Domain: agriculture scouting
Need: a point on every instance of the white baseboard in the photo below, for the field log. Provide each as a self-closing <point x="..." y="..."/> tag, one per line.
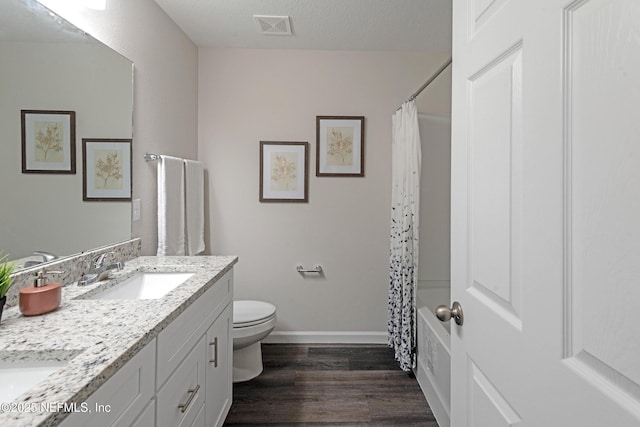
<point x="322" y="337"/>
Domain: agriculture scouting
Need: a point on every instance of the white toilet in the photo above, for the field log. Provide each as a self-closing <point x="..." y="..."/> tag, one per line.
<point x="252" y="322"/>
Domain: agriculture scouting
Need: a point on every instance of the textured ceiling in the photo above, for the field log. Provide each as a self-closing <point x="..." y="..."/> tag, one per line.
<point x="397" y="25"/>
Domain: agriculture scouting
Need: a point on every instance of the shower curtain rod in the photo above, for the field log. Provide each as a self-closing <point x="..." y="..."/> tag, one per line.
<point x="430" y="80"/>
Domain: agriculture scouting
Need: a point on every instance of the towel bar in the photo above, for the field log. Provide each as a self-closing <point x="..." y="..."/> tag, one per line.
<point x="316" y="269"/>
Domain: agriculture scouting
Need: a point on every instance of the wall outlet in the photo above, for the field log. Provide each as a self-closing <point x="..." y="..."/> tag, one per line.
<point x="135" y="210"/>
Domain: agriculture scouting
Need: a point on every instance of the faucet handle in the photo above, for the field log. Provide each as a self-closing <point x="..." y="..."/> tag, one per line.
<point x="99" y="260"/>
<point x="83" y="281"/>
<point x="41" y="277"/>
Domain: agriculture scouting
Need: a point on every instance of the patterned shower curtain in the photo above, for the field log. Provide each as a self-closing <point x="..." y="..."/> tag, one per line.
<point x="405" y="204"/>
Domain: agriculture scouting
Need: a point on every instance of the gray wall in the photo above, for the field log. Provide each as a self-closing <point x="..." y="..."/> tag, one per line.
<point x="246" y="96"/>
<point x="165" y="88"/>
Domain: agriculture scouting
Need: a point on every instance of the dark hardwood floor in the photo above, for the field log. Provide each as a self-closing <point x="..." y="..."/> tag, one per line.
<point x="327" y="385"/>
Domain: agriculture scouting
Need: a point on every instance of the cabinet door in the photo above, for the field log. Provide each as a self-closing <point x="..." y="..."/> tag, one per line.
<point x="182" y="396"/>
<point x="148" y="416"/>
<point x="120" y="400"/>
<point x="219" y="368"/>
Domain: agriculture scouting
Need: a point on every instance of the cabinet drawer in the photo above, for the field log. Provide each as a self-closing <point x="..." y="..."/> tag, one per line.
<point x="123" y="397"/>
<point x="177" y="339"/>
<point x="199" y="421"/>
<point x="181" y="398"/>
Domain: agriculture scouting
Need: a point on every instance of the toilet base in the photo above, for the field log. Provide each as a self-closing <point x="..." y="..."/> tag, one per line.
<point x="247" y="363"/>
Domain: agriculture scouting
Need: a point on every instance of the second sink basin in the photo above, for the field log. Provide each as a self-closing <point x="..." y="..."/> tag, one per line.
<point x="20" y="373"/>
<point x="20" y="377"/>
<point x="144" y="285"/>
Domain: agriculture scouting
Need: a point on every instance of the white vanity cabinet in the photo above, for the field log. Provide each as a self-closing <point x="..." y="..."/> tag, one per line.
<point x="199" y="391"/>
<point x="187" y="371"/>
<point x="123" y="397"/>
<point x="206" y="327"/>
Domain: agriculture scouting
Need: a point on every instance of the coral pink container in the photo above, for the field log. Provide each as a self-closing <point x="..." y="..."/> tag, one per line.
<point x="40" y="300"/>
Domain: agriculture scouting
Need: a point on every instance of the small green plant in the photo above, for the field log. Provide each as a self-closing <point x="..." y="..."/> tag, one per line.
<point x="6" y="269"/>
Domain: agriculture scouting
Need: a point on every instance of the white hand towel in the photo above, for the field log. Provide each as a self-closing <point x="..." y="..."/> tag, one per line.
<point x="194" y="206"/>
<point x="171" y="238"/>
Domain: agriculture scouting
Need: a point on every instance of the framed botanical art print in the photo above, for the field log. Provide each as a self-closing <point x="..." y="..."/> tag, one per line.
<point x="284" y="171"/>
<point x="48" y="141"/>
<point x="339" y="146"/>
<point x="106" y="169"/>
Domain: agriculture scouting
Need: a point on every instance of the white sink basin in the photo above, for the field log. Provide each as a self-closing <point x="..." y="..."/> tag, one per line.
<point x="18" y="377"/>
<point x="144" y="286"/>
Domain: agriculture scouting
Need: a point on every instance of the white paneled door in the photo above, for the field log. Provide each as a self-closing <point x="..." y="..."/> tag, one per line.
<point x="546" y="213"/>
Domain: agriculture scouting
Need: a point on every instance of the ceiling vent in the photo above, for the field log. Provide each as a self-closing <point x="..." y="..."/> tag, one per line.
<point x="273" y="25"/>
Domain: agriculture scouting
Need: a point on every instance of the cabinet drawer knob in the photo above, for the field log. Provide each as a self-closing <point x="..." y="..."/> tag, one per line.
<point x="192" y="393"/>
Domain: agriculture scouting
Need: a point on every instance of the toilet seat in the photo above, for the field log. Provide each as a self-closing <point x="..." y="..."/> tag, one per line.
<point x="248" y="313"/>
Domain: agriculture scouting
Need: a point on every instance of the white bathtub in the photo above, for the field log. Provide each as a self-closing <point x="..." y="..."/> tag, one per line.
<point x="434" y="353"/>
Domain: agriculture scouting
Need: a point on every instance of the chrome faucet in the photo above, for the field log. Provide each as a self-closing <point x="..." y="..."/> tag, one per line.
<point x="99" y="270"/>
<point x="46" y="257"/>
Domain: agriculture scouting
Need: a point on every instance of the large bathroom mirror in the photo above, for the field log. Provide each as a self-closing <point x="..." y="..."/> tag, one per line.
<point x="50" y="65"/>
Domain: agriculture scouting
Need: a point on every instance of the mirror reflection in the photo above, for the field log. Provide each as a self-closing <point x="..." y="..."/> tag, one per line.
<point x="47" y="64"/>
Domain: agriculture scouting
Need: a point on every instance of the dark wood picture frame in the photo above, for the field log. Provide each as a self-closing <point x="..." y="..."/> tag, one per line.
<point x="280" y="164"/>
<point x="104" y="159"/>
<point x="48" y="141"/>
<point x="340" y="146"/>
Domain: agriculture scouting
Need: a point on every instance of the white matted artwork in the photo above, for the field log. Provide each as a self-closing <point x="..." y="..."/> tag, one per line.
<point x="340" y="146"/>
<point x="48" y="141"/>
<point x="284" y="175"/>
<point x="106" y="169"/>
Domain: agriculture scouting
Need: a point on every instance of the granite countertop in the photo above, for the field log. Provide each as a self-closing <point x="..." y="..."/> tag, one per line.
<point x="94" y="337"/>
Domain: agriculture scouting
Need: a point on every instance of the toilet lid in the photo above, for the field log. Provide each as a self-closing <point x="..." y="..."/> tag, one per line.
<point x="248" y="313"/>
